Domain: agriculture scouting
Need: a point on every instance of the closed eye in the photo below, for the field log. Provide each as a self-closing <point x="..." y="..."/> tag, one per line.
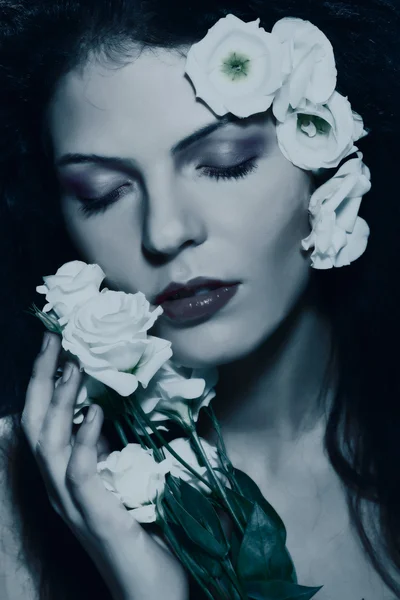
<point x="233" y="172"/>
<point x="101" y="203"/>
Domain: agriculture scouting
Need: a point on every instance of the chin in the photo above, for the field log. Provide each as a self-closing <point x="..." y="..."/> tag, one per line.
<point x="212" y="351"/>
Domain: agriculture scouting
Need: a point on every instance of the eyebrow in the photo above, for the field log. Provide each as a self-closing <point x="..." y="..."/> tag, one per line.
<point x="76" y="158"/>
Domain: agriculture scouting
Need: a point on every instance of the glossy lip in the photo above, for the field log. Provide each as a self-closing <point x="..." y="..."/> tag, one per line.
<point x="190" y="286"/>
<point x="203" y="306"/>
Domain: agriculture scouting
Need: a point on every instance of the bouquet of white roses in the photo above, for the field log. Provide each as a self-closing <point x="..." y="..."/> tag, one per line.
<point x="183" y="486"/>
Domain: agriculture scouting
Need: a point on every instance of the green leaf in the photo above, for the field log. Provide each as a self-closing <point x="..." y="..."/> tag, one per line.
<point x="263" y="554"/>
<point x="206" y="566"/>
<point x="173" y="484"/>
<point x="202" y="510"/>
<point x="196" y="532"/>
<point x="213" y="566"/>
<point x="244" y="506"/>
<point x="258" y="545"/>
<point x="279" y="590"/>
<point x="252" y="492"/>
<point x="280" y="562"/>
<point x="234" y="548"/>
<point x="49" y="319"/>
<point x="281" y="565"/>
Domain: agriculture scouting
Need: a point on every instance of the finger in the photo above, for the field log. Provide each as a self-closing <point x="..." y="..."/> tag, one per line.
<point x="83" y="461"/>
<point x="56" y="432"/>
<point x="40" y="388"/>
<point x="103" y="448"/>
<point x="104" y="514"/>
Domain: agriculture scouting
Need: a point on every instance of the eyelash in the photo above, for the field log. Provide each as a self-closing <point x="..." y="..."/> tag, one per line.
<point x="101" y="203"/>
<point x="235" y="172"/>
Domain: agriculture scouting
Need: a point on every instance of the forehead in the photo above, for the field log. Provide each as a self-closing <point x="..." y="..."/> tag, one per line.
<point x="148" y="102"/>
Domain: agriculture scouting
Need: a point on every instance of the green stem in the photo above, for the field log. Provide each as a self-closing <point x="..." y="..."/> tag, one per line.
<point x="225" y="456"/>
<point x="135" y="433"/>
<point x="227" y="566"/>
<point x="121" y="433"/>
<point x="110" y="400"/>
<point x="224" y="593"/>
<point x="158" y="453"/>
<point x="189" y="564"/>
<point x="217" y="429"/>
<point x="137" y="408"/>
<point x="184" y="557"/>
<point x="217" y="482"/>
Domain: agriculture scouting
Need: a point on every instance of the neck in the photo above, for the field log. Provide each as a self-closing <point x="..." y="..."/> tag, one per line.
<point x="273" y="397"/>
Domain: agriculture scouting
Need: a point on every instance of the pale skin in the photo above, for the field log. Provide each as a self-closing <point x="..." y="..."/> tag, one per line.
<point x="128" y="558"/>
<point x="271" y="343"/>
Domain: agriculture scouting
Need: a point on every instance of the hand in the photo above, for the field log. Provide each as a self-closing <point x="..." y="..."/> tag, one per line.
<point x="131" y="561"/>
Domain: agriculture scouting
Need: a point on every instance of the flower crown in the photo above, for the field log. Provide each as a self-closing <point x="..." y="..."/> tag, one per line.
<point x="240" y="68"/>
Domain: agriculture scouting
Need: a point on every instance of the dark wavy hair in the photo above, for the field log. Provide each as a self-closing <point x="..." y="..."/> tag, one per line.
<point x="40" y="40"/>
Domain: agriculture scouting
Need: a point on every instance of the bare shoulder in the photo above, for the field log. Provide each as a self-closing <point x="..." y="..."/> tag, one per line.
<point x="16" y="580"/>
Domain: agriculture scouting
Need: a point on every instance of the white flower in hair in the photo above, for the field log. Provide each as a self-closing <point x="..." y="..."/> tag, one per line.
<point x="317" y="137"/>
<point x="338" y="235"/>
<point x="240" y="68"/>
<point x="236" y="67"/>
<point x="310" y="63"/>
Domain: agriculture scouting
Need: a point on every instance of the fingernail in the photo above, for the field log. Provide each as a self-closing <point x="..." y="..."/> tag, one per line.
<point x="91" y="413"/>
<point x="68" y="369"/>
<point x="45" y="342"/>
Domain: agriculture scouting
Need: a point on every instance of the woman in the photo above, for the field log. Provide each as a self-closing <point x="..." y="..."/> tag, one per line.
<point x="307" y="392"/>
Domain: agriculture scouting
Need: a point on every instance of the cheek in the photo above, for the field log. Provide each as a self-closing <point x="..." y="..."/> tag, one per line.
<point x="104" y="239"/>
<point x="290" y="224"/>
<point x="275" y="261"/>
<point x="275" y="219"/>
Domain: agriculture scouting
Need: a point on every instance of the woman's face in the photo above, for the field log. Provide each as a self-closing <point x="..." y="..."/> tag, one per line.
<point x="180" y="207"/>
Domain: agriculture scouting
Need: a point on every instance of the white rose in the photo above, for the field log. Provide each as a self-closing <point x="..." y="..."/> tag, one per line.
<point x="332" y="246"/>
<point x="343" y="192"/>
<point x="73" y="284"/>
<point x="134" y="476"/>
<point x="236" y="67"/>
<point x="174" y="388"/>
<point x="183" y="448"/>
<point x="338" y="235"/>
<point x="311" y="65"/>
<point x="108" y="335"/>
<point x="318" y="137"/>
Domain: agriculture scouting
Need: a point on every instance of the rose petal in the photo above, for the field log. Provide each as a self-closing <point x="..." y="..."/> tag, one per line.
<point x="251" y="91"/>
<point x="144" y="514"/>
<point x="123" y="383"/>
<point x="157" y="352"/>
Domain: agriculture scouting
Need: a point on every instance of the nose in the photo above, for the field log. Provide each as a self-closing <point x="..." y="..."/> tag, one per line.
<point x="171" y="221"/>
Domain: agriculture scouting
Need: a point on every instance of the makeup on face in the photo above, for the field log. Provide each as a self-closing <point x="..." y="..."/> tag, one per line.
<point x="92" y="176"/>
<point x="203" y="304"/>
